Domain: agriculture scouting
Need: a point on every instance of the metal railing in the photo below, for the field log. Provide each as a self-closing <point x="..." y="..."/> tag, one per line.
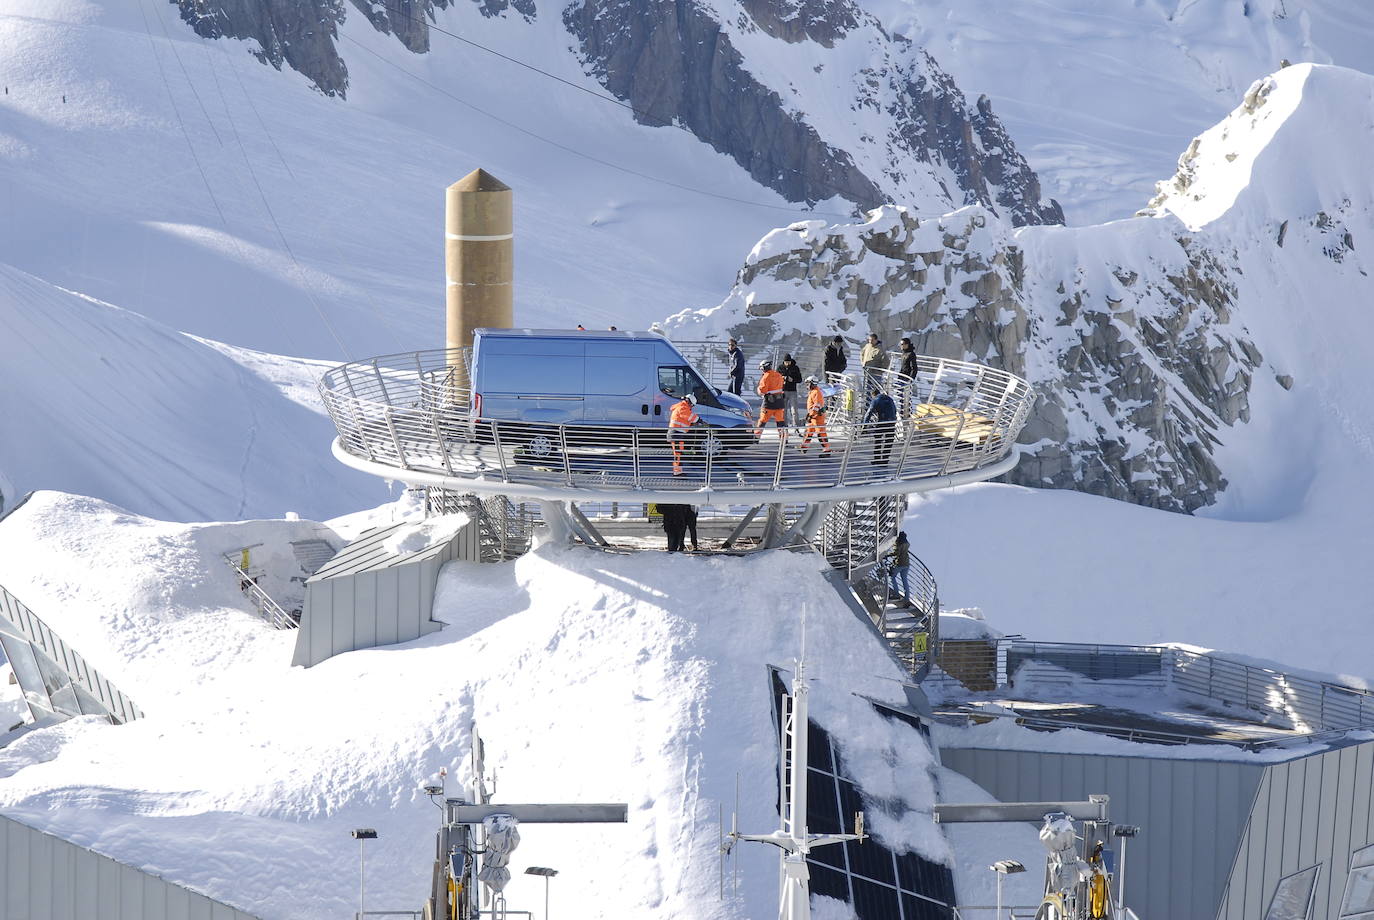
<point x="267" y="608"/>
<point x="504" y="527"/>
<point x="411" y="412"/>
<point x="1313" y="709"/>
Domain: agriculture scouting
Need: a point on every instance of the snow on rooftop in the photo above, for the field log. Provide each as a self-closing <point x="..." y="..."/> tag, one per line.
<point x="592" y="677"/>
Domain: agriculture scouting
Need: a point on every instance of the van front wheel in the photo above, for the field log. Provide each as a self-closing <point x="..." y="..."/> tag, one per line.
<point x="541" y="447"/>
<point x="712" y="444"/>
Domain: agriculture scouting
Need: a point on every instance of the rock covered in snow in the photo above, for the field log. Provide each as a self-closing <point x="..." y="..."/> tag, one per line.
<point x="1144" y="337"/>
<point x="1125" y="330"/>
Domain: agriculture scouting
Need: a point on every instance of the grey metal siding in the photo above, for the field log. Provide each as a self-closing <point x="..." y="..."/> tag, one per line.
<point x="366" y="597"/>
<point x="50" y="878"/>
<point x="25" y="624"/>
<point x="1310" y="811"/>
<point x="1191" y="812"/>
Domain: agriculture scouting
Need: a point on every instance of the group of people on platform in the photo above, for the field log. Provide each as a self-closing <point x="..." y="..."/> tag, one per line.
<point x="778" y="388"/>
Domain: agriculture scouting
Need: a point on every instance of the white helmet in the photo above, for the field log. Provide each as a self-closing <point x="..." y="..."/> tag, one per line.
<point x="812" y="380"/>
<point x="765" y="365"/>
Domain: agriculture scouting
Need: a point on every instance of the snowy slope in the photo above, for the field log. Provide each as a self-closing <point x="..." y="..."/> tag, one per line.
<point x="592" y="677"/>
<point x="1101" y="95"/>
<point x="163" y="181"/>
<point x="102" y="401"/>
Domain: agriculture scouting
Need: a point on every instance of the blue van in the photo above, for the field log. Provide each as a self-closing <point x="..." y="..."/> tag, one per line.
<point x="605" y="379"/>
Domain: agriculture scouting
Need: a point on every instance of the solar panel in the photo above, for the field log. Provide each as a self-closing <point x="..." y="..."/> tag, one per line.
<point x="877" y="883"/>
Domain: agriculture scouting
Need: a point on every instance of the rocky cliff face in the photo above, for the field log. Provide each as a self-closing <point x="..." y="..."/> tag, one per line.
<point x="1127" y="332"/>
<point x="814" y="99"/>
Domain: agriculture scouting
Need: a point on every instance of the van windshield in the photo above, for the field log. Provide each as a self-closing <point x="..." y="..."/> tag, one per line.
<point x="679" y="381"/>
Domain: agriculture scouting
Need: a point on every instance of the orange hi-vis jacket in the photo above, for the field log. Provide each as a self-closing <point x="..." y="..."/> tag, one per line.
<point x="770" y="382"/>
<point x="815" y="402"/>
<point x="683" y="415"/>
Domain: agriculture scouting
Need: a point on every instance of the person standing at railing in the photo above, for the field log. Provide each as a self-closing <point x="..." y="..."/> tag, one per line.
<point x="736" y="367"/>
<point x="874" y="361"/>
<point x="901" y="569"/>
<point x="908" y="370"/>
<point x="835" y="360"/>
<point x="682" y="417"/>
<point x="882" y="415"/>
<point x="791" y="377"/>
<point x="815" y="416"/>
<point x="770" y="388"/>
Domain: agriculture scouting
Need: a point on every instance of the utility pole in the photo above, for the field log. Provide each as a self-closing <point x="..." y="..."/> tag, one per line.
<point x="363" y="835"/>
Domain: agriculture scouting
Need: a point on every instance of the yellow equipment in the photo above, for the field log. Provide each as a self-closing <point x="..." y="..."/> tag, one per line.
<point x="944" y="421"/>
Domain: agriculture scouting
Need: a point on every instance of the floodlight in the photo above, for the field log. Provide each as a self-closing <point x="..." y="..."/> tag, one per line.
<point x="434" y="790"/>
<point x="541" y="870"/>
<point x="1125" y="830"/>
<point x="364" y="833"/>
<point x="1007" y="867"/>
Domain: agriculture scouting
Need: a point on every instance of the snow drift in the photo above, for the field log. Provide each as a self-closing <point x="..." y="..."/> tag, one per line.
<point x="101" y="401"/>
<point x="591" y="676"/>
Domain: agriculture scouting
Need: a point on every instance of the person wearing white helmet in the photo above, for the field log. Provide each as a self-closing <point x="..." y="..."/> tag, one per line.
<point x="770" y="388"/>
<point x="683" y="416"/>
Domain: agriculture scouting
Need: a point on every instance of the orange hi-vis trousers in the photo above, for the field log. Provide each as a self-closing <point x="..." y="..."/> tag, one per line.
<point x="815" y="427"/>
<point x="772" y="415"/>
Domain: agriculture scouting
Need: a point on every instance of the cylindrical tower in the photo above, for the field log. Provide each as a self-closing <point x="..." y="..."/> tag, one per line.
<point x="478" y="245"/>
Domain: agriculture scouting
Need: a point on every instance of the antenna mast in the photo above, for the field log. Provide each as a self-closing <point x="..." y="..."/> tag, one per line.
<point x="793" y="838"/>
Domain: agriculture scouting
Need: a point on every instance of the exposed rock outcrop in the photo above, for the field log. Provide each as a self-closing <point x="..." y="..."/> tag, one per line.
<point x="902" y="131"/>
<point x="1133" y="349"/>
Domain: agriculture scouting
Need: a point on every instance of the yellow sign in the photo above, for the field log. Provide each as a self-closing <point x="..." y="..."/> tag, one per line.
<point x="243" y="559"/>
<point x="920" y="643"/>
<point x="653" y="510"/>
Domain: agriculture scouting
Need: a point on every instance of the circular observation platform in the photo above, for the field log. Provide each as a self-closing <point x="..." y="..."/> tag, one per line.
<point x="408" y="417"/>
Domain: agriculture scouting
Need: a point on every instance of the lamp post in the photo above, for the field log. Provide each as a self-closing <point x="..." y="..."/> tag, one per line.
<point x="546" y="874"/>
<point x="1003" y="868"/>
<point x="362" y="835"/>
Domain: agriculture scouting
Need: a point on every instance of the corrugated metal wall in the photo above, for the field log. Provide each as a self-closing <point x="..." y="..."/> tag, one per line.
<point x="47" y="878"/>
<point x="28" y="641"/>
<point x="1312" y="811"/>
<point x="1191" y="812"/>
<point x="380" y="605"/>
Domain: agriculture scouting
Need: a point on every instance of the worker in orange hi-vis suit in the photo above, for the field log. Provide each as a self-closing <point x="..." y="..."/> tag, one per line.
<point x="770" y="388"/>
<point x="815" y="416"/>
<point x="682" y="417"/>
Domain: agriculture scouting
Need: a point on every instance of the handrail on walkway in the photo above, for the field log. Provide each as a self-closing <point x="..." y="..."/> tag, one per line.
<point x="409" y="416"/>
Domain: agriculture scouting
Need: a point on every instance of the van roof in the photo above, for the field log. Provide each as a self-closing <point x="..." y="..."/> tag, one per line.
<point x="618" y="335"/>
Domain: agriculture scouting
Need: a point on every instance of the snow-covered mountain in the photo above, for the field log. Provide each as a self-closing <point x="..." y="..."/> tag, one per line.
<point x="1155" y="341"/>
<point x="814" y="100"/>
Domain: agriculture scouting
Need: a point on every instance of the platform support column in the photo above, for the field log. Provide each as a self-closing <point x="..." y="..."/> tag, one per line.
<point x="742" y="526"/>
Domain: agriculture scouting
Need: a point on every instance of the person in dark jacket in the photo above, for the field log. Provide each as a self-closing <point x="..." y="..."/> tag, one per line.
<point x="901" y="568"/>
<point x="689" y="514"/>
<point x="736" y="367"/>
<point x="908" y="370"/>
<point x="835" y="359"/>
<point x="791" y="377"/>
<point x="674" y="525"/>
<point x="882" y="415"/>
